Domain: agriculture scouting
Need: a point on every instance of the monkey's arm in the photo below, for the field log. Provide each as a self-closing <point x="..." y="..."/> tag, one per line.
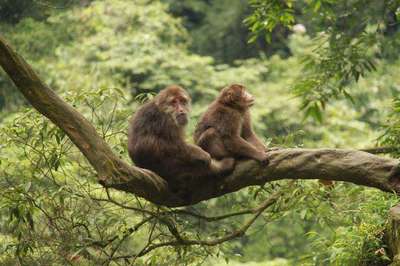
<point x="249" y="135"/>
<point x="199" y="158"/>
<point x="195" y="154"/>
<point x="230" y="130"/>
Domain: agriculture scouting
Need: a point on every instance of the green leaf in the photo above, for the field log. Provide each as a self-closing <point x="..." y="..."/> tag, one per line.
<point x="27" y="186"/>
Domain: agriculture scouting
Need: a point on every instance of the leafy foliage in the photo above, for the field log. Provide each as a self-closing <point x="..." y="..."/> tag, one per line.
<point x="348" y="41"/>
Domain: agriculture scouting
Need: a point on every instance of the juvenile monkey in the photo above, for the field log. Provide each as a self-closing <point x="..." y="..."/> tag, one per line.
<point x="225" y="128"/>
<point x="156" y="141"/>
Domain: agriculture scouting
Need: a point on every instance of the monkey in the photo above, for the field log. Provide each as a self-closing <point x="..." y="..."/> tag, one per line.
<point x="156" y="142"/>
<point x="225" y="128"/>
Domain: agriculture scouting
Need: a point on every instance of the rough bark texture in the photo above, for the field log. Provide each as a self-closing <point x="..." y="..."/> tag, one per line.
<point x="330" y="164"/>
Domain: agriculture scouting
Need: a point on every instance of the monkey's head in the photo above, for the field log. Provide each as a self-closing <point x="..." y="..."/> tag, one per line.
<point x="236" y="96"/>
<point x="174" y="101"/>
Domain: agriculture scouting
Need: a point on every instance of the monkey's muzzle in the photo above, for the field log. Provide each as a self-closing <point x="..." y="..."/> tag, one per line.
<point x="182" y="119"/>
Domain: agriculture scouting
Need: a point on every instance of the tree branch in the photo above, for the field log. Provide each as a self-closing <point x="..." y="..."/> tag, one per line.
<point x="331" y="164"/>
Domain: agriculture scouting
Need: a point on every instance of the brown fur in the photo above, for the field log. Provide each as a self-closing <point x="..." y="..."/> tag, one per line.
<point x="225" y="129"/>
<point x="156" y="141"/>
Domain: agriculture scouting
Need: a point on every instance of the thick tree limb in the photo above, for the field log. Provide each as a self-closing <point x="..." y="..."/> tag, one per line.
<point x="331" y="164"/>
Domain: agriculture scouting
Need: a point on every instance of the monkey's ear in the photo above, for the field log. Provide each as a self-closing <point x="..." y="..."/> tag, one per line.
<point x="158" y="100"/>
<point x="228" y="97"/>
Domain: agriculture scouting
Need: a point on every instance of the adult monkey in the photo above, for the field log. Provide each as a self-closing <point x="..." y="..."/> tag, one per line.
<point x="156" y="142"/>
<point x="225" y="129"/>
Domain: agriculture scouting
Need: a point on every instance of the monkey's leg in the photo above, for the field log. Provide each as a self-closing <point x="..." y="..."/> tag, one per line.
<point x="211" y="142"/>
<point x="239" y="147"/>
<point x="196" y="155"/>
<point x="256" y="142"/>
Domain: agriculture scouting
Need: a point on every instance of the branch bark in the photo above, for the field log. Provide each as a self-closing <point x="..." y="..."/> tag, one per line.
<point x="330" y="164"/>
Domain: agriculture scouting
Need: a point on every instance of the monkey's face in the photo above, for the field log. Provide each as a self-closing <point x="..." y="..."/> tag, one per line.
<point x="176" y="102"/>
<point x="179" y="109"/>
<point x="236" y="96"/>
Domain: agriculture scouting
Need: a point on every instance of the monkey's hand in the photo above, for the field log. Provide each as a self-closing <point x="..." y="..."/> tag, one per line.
<point x="197" y="154"/>
<point x="224" y="166"/>
<point x="263" y="158"/>
<point x="205" y="158"/>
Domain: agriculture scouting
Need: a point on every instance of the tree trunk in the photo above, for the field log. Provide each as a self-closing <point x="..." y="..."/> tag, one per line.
<point x="393" y="235"/>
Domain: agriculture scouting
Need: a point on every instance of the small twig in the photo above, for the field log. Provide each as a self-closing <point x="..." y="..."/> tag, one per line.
<point x="127" y="232"/>
<point x="112" y="116"/>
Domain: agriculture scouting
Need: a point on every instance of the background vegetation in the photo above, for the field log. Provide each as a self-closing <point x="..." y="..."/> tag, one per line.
<point x="329" y="81"/>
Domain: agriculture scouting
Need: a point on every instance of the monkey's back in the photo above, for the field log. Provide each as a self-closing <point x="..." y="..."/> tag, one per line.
<point x="219" y="117"/>
<point x="154" y="143"/>
<point x="146" y="136"/>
